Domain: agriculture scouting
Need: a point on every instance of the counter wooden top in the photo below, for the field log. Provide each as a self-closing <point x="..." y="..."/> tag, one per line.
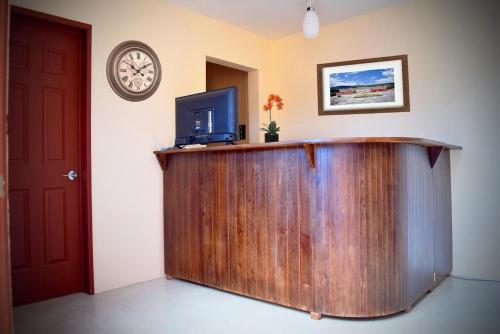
<point x="352" y="140"/>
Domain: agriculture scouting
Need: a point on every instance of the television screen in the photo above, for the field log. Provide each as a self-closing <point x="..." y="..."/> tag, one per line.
<point x="207" y="117"/>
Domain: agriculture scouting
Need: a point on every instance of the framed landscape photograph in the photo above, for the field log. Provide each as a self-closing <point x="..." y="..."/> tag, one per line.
<point x="363" y="86"/>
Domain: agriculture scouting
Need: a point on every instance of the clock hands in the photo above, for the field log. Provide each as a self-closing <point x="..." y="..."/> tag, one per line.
<point x="132" y="66"/>
<point x="135" y="69"/>
<point x="139" y="71"/>
<point x="128" y="63"/>
<point x="144" y="66"/>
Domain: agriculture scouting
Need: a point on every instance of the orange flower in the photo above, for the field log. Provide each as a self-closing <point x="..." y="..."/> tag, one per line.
<point x="273" y="100"/>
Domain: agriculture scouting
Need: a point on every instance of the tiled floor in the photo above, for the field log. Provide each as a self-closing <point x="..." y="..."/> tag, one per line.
<point x="161" y="306"/>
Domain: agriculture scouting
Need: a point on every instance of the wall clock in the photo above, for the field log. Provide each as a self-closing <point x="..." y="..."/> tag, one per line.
<point x="133" y="71"/>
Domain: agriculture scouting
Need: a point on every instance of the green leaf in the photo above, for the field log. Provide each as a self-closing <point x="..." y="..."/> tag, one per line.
<point x="264" y="129"/>
<point x="272" y="127"/>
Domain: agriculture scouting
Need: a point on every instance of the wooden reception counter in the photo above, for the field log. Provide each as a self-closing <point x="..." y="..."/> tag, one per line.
<point x="351" y="227"/>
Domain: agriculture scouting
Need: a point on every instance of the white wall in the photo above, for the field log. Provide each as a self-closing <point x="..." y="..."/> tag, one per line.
<point x="454" y="75"/>
<point x="126" y="178"/>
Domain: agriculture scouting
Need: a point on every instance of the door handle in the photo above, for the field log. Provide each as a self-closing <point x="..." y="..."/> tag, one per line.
<point x="71" y="175"/>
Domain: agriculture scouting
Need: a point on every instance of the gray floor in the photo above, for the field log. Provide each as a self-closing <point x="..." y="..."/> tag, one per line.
<point x="161" y="306"/>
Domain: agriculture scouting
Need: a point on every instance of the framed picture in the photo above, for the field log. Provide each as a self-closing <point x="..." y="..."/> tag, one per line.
<point x="363" y="86"/>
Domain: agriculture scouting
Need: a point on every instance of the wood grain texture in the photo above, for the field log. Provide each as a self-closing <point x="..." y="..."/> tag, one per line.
<point x="416" y="210"/>
<point x="67" y="214"/>
<point x="358" y="235"/>
<point x="348" y="140"/>
<point x="85" y="30"/>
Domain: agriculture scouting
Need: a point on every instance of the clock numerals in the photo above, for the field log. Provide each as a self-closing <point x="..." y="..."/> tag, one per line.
<point x="134" y="71"/>
<point x="138" y="73"/>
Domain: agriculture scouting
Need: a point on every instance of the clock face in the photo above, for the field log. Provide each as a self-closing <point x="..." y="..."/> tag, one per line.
<point x="134" y="71"/>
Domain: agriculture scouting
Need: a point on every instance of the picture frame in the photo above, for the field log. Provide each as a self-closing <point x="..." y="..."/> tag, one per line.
<point x="373" y="85"/>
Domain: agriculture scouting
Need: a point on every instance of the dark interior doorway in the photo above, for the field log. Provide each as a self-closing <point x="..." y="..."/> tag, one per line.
<point x="220" y="76"/>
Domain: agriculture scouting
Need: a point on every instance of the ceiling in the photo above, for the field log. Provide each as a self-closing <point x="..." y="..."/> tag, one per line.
<point x="278" y="18"/>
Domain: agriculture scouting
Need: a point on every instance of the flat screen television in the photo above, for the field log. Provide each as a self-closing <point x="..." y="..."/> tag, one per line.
<point x="207" y="117"/>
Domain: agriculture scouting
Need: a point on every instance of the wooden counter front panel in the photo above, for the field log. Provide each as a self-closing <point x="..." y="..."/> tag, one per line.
<point x="415" y="214"/>
<point x="359" y="246"/>
<point x="345" y="238"/>
<point x="228" y="224"/>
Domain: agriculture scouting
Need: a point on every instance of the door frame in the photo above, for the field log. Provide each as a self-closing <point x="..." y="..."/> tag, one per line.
<point x="5" y="285"/>
<point x="84" y="133"/>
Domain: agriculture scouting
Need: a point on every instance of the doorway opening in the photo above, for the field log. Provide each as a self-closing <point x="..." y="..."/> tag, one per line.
<point x="222" y="74"/>
<point x="49" y="156"/>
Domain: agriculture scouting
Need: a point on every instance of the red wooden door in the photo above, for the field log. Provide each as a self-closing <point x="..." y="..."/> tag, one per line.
<point x="44" y="86"/>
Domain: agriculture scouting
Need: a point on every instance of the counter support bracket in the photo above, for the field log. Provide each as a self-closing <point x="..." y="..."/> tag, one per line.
<point x="434" y="153"/>
<point x="310" y="154"/>
<point x="163" y="160"/>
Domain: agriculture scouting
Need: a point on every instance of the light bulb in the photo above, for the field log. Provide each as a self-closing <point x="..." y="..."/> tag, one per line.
<point x="310" y="25"/>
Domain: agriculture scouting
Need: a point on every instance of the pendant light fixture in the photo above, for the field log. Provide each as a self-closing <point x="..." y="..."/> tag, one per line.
<point x="310" y="25"/>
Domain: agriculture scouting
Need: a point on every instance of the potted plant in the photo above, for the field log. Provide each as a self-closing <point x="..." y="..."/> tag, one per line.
<point x="271" y="129"/>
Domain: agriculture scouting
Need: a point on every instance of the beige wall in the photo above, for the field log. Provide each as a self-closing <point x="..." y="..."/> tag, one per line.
<point x="453" y="71"/>
<point x="127" y="180"/>
<point x="454" y="75"/>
